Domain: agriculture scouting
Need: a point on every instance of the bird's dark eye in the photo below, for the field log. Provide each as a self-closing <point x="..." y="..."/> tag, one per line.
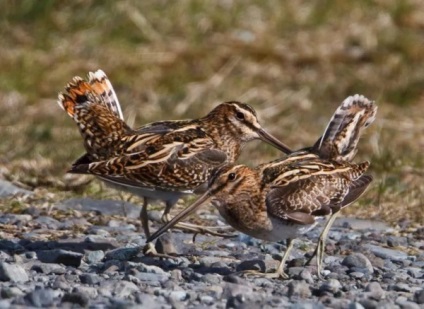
<point x="231" y="176"/>
<point x="240" y="115"/>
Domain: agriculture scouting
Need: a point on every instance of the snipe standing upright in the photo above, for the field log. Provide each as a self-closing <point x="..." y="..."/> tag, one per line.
<point x="281" y="200"/>
<point x="163" y="160"/>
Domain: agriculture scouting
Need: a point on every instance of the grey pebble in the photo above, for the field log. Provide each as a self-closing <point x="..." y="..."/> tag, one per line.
<point x="93" y="257"/>
<point x="5" y="304"/>
<point x="419" y="296"/>
<point x="375" y="291"/>
<point x="385" y="253"/>
<point x="59" y="256"/>
<point x="76" y="298"/>
<point x="402" y="287"/>
<point x="7" y="189"/>
<point x="89" y="291"/>
<point x="124" y="289"/>
<point x="42" y="297"/>
<point x="12" y="272"/>
<point x="332" y="286"/>
<point x="47" y="269"/>
<point x="307" y="305"/>
<point x="358" y="260"/>
<point x="299" y="289"/>
<point x="123" y="254"/>
<point x="90" y="279"/>
<point x="355" y="305"/>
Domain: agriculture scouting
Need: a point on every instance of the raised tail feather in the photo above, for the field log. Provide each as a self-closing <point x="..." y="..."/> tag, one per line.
<point x="95" y="108"/>
<point x="342" y="134"/>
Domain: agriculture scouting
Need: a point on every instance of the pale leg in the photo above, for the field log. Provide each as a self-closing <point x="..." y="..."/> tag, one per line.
<point x="320" y="248"/>
<point x="279" y="273"/>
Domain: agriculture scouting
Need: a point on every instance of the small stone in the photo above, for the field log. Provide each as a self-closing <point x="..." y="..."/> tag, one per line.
<point x="178" y="295"/>
<point x="42" y="297"/>
<point x="385" y="253"/>
<point x="12" y="272"/>
<point x="332" y="286"/>
<point x="146" y="300"/>
<point x="59" y="256"/>
<point x="76" y="298"/>
<point x="232" y="289"/>
<point x="375" y="291"/>
<point x="307" y="305"/>
<point x="356" y="275"/>
<point x="60" y="283"/>
<point x="207" y="300"/>
<point x="358" y="260"/>
<point x="86" y="290"/>
<point x="355" y="306"/>
<point x="402" y="287"/>
<point x="124" y="289"/>
<point x="405" y="304"/>
<point x="93" y="257"/>
<point x="122" y="254"/>
<point x="49" y="268"/>
<point x="89" y="279"/>
<point x="299" y="289"/>
<point x="419" y="297"/>
<point x="10" y="292"/>
<point x="8" y="189"/>
<point x="211" y="278"/>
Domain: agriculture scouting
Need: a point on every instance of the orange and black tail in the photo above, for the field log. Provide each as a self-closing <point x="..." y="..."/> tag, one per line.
<point x="95" y="108"/>
<point x="340" y="139"/>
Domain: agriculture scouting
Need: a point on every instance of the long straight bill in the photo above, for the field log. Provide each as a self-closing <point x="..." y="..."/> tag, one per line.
<point x="266" y="137"/>
<point x="201" y="200"/>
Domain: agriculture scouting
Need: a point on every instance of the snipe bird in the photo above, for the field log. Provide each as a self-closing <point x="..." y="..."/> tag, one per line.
<point x="159" y="161"/>
<point x="283" y="199"/>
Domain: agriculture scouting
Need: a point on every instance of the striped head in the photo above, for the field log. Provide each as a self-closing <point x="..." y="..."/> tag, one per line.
<point x="239" y="121"/>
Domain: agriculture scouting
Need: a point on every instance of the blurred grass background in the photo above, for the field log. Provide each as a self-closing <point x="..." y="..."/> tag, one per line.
<point x="294" y="61"/>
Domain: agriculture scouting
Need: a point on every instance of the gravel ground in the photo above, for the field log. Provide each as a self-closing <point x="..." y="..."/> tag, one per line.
<point x="71" y="261"/>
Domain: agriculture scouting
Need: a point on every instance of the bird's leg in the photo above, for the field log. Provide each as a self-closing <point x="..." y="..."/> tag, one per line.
<point x="279" y="273"/>
<point x="149" y="248"/>
<point x="320" y="248"/>
<point x="193" y="228"/>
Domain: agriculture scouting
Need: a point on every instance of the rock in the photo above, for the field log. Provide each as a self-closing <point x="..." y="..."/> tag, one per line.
<point x="207" y="300"/>
<point x="86" y="290"/>
<point x="419" y="297"/>
<point x="12" y="272"/>
<point x="232" y="289"/>
<point x="355" y="306"/>
<point x="5" y="304"/>
<point x="299" y="289"/>
<point x="358" y="260"/>
<point x="42" y="297"/>
<point x="8" y="245"/>
<point x="122" y="254"/>
<point x="375" y="291"/>
<point x="405" y="304"/>
<point x="332" y="286"/>
<point x="211" y="279"/>
<point x="76" y="298"/>
<point x="307" y="305"/>
<point x="89" y="278"/>
<point x="60" y="283"/>
<point x="49" y="268"/>
<point x="402" y="287"/>
<point x="146" y="300"/>
<point x="9" y="189"/>
<point x="59" y="256"/>
<point x="178" y="295"/>
<point x="384" y="253"/>
<point x="10" y="292"/>
<point x="124" y="289"/>
<point x="93" y="257"/>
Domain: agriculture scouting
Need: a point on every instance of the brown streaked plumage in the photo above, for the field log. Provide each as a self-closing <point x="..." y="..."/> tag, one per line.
<point x="293" y="177"/>
<point x="163" y="160"/>
<point x="281" y="200"/>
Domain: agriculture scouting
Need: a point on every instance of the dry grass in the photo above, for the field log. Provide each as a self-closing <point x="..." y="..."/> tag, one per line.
<point x="294" y="61"/>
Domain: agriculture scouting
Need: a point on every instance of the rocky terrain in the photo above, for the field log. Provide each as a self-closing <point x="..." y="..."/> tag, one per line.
<point x="86" y="253"/>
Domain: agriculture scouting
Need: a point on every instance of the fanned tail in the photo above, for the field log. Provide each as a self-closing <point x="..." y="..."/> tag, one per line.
<point x="95" y="108"/>
<point x="342" y="134"/>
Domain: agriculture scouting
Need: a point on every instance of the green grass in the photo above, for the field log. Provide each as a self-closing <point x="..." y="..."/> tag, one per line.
<point x="293" y="61"/>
